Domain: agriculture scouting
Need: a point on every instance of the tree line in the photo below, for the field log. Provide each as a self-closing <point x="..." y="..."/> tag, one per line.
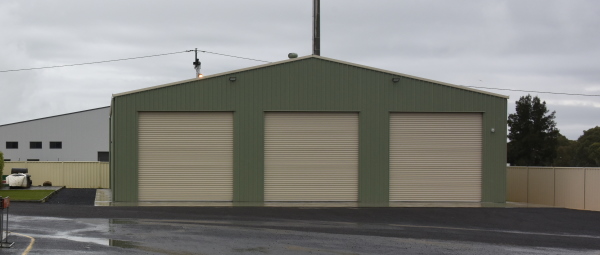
<point x="534" y="139"/>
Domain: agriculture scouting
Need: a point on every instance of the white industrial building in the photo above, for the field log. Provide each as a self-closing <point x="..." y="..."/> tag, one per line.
<point x="77" y="136"/>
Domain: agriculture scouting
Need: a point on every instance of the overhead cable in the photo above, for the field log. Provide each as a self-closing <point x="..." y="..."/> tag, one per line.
<point x="231" y="56"/>
<point x="90" y="63"/>
<point x="543" y="92"/>
<point x="123" y="59"/>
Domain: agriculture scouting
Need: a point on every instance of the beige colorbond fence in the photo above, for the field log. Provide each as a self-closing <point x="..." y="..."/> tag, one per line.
<point x="570" y="187"/>
<point x="69" y="174"/>
<point x="577" y="188"/>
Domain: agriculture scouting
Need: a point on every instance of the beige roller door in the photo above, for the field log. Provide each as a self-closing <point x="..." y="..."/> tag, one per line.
<point x="435" y="156"/>
<point x="185" y="156"/>
<point x="311" y="156"/>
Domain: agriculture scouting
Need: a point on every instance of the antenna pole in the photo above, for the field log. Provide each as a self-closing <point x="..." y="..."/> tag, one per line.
<point x="316" y="27"/>
<point x="197" y="65"/>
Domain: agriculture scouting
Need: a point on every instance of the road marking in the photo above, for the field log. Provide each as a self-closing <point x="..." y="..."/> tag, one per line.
<point x="497" y="231"/>
<point x="30" y="243"/>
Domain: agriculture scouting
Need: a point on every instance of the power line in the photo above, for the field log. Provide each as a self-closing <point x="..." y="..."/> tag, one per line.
<point x="231" y="56"/>
<point x="543" y="92"/>
<point x="90" y="63"/>
<point x="124" y="59"/>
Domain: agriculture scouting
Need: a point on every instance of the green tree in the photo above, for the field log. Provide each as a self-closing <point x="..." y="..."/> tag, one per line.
<point x="565" y="152"/>
<point x="588" y="148"/>
<point x="533" y="134"/>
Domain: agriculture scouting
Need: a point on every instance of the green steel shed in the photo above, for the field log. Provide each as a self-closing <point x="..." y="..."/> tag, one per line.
<point x="308" y="129"/>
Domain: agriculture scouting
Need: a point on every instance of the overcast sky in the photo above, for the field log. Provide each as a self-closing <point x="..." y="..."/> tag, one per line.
<point x="540" y="45"/>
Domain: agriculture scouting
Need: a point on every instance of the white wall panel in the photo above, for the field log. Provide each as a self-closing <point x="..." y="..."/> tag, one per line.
<point x="83" y="134"/>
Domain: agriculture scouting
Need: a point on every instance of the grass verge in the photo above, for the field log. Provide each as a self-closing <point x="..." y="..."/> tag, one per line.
<point x="25" y="195"/>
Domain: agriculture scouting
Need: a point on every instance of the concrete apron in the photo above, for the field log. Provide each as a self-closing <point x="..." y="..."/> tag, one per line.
<point x="104" y="198"/>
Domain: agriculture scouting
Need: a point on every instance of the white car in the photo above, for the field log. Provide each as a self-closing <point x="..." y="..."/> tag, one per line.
<point x="19" y="178"/>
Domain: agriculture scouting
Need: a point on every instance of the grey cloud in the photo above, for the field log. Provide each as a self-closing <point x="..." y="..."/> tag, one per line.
<point x="533" y="45"/>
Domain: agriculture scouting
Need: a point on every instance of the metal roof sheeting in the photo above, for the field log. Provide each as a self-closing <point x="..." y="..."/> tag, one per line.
<point x="303" y="58"/>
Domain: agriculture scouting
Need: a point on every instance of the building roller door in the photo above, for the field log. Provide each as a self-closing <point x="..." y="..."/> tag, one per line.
<point x="185" y="156"/>
<point x="311" y="156"/>
<point x="435" y="156"/>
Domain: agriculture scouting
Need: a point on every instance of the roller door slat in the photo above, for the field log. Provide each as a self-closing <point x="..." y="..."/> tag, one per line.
<point x="435" y="156"/>
<point x="185" y="156"/>
<point x="311" y="156"/>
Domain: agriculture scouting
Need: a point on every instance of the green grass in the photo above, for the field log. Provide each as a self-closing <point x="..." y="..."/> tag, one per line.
<point x="25" y="195"/>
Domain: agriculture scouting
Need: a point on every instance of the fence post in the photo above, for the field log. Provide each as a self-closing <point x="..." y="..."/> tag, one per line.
<point x="584" y="187"/>
<point x="62" y="173"/>
<point x="527" y="183"/>
<point x="554" y="191"/>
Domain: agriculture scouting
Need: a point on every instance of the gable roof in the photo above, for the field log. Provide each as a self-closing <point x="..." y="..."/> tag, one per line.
<point x="308" y="57"/>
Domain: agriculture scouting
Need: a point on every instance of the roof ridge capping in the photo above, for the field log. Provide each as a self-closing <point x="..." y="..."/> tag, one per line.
<point x="307" y="57"/>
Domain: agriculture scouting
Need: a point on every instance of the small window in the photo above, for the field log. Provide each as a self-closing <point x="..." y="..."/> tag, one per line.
<point x="12" y="145"/>
<point x="35" y="145"/>
<point x="33" y="159"/>
<point x="6" y="159"/>
<point x="103" y="156"/>
<point x="55" y="145"/>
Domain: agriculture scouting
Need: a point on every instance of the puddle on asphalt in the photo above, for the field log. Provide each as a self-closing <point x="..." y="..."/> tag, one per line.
<point x="138" y="246"/>
<point x="122" y="244"/>
<point x="83" y="230"/>
<point x="122" y="222"/>
<point x="100" y="241"/>
<point x="53" y="228"/>
<point x="255" y="249"/>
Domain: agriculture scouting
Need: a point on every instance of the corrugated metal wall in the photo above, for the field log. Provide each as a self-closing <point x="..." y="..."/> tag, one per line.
<point x="541" y="185"/>
<point x="310" y="84"/>
<point x="70" y="174"/>
<point x="516" y="184"/>
<point x="592" y="186"/>
<point x="569" y="187"/>
<point x="83" y="134"/>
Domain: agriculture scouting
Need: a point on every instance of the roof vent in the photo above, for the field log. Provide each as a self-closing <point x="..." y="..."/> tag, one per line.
<point x="292" y="55"/>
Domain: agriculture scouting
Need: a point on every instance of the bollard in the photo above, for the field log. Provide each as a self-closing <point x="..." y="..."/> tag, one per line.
<point x="4" y="205"/>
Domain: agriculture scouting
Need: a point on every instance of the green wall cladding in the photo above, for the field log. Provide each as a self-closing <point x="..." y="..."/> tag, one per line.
<point x="308" y="84"/>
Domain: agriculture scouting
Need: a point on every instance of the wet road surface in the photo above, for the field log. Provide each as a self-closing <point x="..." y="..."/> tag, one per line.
<point x="172" y="236"/>
<point x="63" y="228"/>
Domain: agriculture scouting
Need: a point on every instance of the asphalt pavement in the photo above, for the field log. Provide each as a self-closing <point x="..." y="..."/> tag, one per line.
<point x="79" y="226"/>
<point x="73" y="197"/>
